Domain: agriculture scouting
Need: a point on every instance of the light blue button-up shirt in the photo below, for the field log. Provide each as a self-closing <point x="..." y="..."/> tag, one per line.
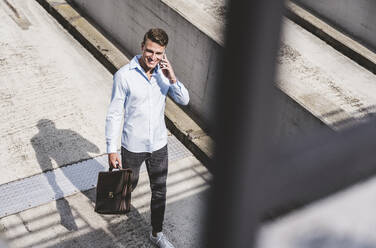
<point x="141" y="102"/>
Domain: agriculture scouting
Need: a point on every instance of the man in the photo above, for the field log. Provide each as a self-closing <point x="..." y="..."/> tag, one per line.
<point x="140" y="90"/>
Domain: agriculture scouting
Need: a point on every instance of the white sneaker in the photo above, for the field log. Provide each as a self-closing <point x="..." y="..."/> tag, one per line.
<point x="161" y="240"/>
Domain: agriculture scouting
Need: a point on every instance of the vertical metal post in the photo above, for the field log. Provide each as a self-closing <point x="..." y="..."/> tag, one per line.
<point x="244" y="118"/>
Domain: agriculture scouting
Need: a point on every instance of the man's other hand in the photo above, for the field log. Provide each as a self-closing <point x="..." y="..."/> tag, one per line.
<point x="114" y="161"/>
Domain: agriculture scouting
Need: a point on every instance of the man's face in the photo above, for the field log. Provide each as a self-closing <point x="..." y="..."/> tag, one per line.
<point x="152" y="53"/>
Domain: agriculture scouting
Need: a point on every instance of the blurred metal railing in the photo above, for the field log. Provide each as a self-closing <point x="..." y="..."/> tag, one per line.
<point x="253" y="177"/>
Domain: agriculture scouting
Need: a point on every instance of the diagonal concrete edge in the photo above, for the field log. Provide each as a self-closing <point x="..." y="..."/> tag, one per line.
<point x="177" y="121"/>
<point x="341" y="42"/>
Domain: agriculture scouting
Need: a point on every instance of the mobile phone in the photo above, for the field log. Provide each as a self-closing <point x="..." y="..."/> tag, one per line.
<point x="163" y="59"/>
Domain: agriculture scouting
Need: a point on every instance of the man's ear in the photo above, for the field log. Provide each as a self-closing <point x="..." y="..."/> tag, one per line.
<point x="142" y="45"/>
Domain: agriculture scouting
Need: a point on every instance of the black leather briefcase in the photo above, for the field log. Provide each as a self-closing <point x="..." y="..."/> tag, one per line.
<point x="114" y="192"/>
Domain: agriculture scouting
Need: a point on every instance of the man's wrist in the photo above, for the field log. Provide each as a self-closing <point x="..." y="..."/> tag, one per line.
<point x="172" y="81"/>
<point x="111" y="149"/>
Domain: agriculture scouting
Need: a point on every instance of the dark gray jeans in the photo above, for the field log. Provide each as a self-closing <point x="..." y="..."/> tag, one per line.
<point x="156" y="165"/>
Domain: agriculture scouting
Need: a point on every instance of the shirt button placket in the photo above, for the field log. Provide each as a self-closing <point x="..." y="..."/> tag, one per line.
<point x="150" y="115"/>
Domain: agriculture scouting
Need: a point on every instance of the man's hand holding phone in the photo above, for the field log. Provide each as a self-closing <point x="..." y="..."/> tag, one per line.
<point x="167" y="69"/>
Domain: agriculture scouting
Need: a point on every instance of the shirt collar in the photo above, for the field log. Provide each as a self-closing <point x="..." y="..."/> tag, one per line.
<point x="135" y="64"/>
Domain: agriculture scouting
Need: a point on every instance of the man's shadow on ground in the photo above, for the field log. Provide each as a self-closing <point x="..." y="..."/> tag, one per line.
<point x="64" y="146"/>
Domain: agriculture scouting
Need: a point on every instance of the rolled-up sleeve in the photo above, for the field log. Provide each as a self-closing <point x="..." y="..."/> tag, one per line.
<point x="115" y="112"/>
<point x="179" y="93"/>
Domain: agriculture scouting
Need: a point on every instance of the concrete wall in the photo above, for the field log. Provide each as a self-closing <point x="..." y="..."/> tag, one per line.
<point x="192" y="53"/>
<point x="194" y="50"/>
<point x="293" y="120"/>
<point x="355" y="17"/>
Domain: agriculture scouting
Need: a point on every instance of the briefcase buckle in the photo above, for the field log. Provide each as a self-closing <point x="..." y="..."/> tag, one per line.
<point x="110" y="194"/>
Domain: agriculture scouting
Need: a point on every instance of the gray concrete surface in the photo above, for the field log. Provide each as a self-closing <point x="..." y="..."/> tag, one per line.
<point x="344" y="220"/>
<point x="356" y="18"/>
<point x="331" y="86"/>
<point x="331" y="35"/>
<point x="215" y="8"/>
<point x="53" y="94"/>
<point x="42" y="188"/>
<point x="72" y="222"/>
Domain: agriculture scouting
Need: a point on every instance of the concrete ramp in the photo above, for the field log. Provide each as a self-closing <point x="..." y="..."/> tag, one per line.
<point x="53" y="94"/>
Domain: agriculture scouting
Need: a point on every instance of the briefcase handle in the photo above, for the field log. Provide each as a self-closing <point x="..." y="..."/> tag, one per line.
<point x="111" y="168"/>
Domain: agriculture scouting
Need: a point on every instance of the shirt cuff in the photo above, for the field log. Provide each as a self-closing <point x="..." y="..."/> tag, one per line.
<point x="176" y="85"/>
<point x="111" y="148"/>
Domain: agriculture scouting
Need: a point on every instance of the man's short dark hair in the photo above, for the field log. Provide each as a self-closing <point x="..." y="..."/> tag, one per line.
<point x="156" y="35"/>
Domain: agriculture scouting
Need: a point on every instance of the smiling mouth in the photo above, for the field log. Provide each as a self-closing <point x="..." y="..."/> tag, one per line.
<point x="152" y="62"/>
